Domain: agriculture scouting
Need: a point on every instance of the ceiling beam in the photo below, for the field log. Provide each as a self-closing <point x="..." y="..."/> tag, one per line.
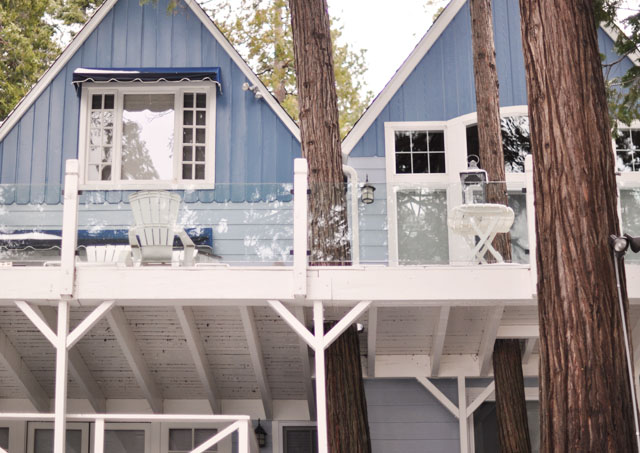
<point x="199" y="356"/>
<point x="25" y="378"/>
<point x="485" y="352"/>
<point x="437" y="345"/>
<point x="519" y="331"/>
<point x="257" y="359"/>
<point x="78" y="368"/>
<point x="127" y="340"/>
<point x="306" y="365"/>
<point x="372" y="339"/>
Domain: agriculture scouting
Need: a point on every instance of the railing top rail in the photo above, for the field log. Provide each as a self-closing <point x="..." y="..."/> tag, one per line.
<point x="127" y="417"/>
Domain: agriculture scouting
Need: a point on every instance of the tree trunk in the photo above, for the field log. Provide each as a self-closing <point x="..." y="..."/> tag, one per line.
<point x="584" y="390"/>
<point x="319" y="130"/>
<point x="511" y="407"/>
<point x="488" y="108"/>
<point x="347" y="433"/>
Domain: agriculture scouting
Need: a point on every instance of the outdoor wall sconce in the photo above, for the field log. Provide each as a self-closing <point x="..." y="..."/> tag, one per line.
<point x="366" y="194"/>
<point x="261" y="435"/>
<point x="253" y="88"/>
<point x="473" y="180"/>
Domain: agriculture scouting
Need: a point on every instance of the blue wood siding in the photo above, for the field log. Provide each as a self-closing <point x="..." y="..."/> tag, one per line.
<point x="252" y="144"/>
<point x="441" y="86"/>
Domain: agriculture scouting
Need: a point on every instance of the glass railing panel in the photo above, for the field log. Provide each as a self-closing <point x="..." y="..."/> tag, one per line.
<point x="30" y="224"/>
<point x="630" y="212"/>
<point x="232" y="224"/>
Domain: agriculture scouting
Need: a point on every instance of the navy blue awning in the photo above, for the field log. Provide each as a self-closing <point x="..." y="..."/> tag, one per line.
<point x="145" y="75"/>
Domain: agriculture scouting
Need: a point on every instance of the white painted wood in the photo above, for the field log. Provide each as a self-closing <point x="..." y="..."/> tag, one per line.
<point x="529" y="346"/>
<point x="531" y="221"/>
<point x="321" y="397"/>
<point x="13" y="362"/>
<point x="62" y="362"/>
<point x="441" y="397"/>
<point x="126" y="338"/>
<point x="194" y="343"/>
<point x="352" y="176"/>
<point x="300" y="227"/>
<point x="485" y="352"/>
<point x="296" y="325"/>
<point x="257" y="359"/>
<point x="88" y="323"/>
<point x="481" y="398"/>
<point x="69" y="229"/>
<point x="372" y="336"/>
<point x="98" y="439"/>
<point x="79" y="369"/>
<point x="242" y="443"/>
<point x="462" y="419"/>
<point x="306" y="366"/>
<point x="116" y="417"/>
<point x="437" y="344"/>
<point x="344" y="323"/>
<point x="518" y="331"/>
<point x="36" y="318"/>
<point x="243" y="438"/>
<point x="2" y="450"/>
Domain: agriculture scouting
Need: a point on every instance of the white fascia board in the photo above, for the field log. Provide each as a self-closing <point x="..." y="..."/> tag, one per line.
<point x="244" y="67"/>
<point x="19" y="110"/>
<point x="405" y="70"/>
<point x="614" y="33"/>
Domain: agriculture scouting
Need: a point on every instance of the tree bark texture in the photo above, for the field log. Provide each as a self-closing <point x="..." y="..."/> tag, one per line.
<point x="511" y="407"/>
<point x="488" y="108"/>
<point x="584" y="390"/>
<point x="320" y="131"/>
<point x="347" y="408"/>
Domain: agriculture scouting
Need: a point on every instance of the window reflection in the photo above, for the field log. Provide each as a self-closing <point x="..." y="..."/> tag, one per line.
<point x="516" y="142"/>
<point x="628" y="150"/>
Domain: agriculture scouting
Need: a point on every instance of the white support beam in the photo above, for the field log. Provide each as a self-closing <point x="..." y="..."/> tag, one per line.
<point x="15" y="365"/>
<point x="69" y="229"/>
<point x="300" y="226"/>
<point x="127" y="340"/>
<point x="87" y="323"/>
<point x="518" y="331"/>
<point x="293" y="322"/>
<point x="36" y="318"/>
<point x="257" y="360"/>
<point x="98" y="439"/>
<point x="437" y="345"/>
<point x="321" y="385"/>
<point x="372" y="339"/>
<point x="298" y="312"/>
<point x="529" y="346"/>
<point x="344" y="323"/>
<point x="79" y="369"/>
<point x="196" y="348"/>
<point x="481" y="398"/>
<point x="462" y="418"/>
<point x="441" y="397"/>
<point x="485" y="352"/>
<point x="62" y="374"/>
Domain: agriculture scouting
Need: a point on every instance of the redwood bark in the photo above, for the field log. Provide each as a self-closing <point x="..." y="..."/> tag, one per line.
<point x="488" y="108"/>
<point x="511" y="407"/>
<point x="347" y="433"/>
<point x="584" y="390"/>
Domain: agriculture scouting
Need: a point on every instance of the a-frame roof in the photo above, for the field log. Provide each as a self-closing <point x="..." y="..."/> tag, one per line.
<point x="26" y="102"/>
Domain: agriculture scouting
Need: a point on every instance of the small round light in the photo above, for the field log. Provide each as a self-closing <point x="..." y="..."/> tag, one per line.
<point x="620" y="244"/>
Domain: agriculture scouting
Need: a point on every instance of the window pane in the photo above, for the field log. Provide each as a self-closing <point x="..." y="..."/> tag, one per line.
<point x="403" y="141"/>
<point x="201" y="100"/>
<point x="300" y="440"/>
<point x="124" y="441"/>
<point x="635" y="138"/>
<point x="199" y="172"/>
<point x="187" y="153"/>
<point x="188" y="118"/>
<point x="4" y="438"/>
<point x="187" y="171"/>
<point x="420" y="163"/>
<point x="623" y="140"/>
<point x="109" y="101"/>
<point x="106" y="173"/>
<point x="200" y="135"/>
<point x="180" y="439"/>
<point x="202" y="435"/>
<point x="201" y="117"/>
<point x="200" y="154"/>
<point x="188" y="100"/>
<point x="473" y="149"/>
<point x="147" y="141"/>
<point x="43" y="441"/>
<point x="403" y="163"/>
<point x="516" y="144"/>
<point x="436" y="141"/>
<point x="96" y="102"/>
<point x="187" y="135"/>
<point x="419" y="141"/>
<point x="436" y="163"/>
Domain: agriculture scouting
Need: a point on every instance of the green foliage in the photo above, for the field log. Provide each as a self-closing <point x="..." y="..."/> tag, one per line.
<point x="261" y="30"/>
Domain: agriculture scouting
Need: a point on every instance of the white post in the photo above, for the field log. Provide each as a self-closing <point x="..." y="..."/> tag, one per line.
<point x="300" y="226"/>
<point x="62" y="363"/>
<point x="531" y="220"/>
<point x="98" y="440"/>
<point x="321" y="397"/>
<point x="243" y="436"/>
<point x="69" y="228"/>
<point x="462" y="419"/>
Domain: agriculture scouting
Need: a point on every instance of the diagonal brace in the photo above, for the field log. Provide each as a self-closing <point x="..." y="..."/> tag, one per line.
<point x="217" y="438"/>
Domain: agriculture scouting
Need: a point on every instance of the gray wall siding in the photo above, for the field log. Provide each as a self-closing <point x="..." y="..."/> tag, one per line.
<point x="252" y="143"/>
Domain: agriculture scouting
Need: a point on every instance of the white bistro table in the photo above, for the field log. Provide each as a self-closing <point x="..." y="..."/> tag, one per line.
<point x="482" y="221"/>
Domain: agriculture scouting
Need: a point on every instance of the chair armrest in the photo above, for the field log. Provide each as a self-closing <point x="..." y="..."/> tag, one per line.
<point x="187" y="243"/>
<point x="135" y="245"/>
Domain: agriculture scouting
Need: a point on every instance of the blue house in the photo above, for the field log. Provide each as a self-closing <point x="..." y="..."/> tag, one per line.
<point x="153" y="248"/>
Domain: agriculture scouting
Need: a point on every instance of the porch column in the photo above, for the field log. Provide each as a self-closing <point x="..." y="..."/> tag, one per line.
<point x="62" y="363"/>
<point x="462" y="417"/>
<point x="321" y="385"/>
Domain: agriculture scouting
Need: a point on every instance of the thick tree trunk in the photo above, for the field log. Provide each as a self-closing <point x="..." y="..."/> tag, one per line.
<point x="344" y="380"/>
<point x="488" y="107"/>
<point x="319" y="130"/>
<point x="584" y="392"/>
<point x="511" y="408"/>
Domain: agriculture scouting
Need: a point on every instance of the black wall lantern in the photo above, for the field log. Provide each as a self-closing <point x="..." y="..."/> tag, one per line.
<point x="367" y="192"/>
<point x="261" y="435"/>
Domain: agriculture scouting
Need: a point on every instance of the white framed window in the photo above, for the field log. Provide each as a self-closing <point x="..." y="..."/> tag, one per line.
<point x="183" y="438"/>
<point x="40" y="437"/>
<point x="418" y="150"/>
<point x="299" y="439"/>
<point x="628" y="149"/>
<point x="126" y="437"/>
<point x="134" y="136"/>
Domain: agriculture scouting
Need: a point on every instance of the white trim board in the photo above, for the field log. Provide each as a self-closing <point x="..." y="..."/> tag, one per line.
<point x="50" y="74"/>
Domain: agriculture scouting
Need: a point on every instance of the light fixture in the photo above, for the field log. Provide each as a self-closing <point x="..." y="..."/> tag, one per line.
<point x="253" y="88"/>
<point x="620" y="244"/>
<point x="261" y="435"/>
<point x="473" y="180"/>
<point x="366" y="194"/>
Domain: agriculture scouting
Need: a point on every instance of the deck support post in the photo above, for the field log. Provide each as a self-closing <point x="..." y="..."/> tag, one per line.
<point x="62" y="365"/>
<point x="462" y="418"/>
<point x="321" y="384"/>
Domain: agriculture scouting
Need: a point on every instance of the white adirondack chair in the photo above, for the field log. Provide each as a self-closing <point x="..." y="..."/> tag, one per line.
<point x="155" y="214"/>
